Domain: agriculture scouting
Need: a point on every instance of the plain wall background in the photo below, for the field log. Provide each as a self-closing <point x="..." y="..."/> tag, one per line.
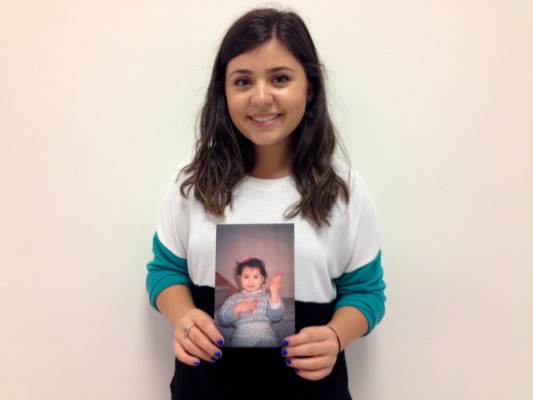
<point x="98" y="101"/>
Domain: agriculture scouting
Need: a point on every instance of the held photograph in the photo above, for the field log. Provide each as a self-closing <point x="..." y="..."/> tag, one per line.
<point x="254" y="292"/>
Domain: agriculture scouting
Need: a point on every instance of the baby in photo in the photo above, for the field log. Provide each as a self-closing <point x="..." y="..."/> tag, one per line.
<point x="252" y="311"/>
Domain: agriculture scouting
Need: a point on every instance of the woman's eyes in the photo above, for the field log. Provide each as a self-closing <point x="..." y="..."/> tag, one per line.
<point x="242" y="82"/>
<point x="276" y="80"/>
<point x="280" y="79"/>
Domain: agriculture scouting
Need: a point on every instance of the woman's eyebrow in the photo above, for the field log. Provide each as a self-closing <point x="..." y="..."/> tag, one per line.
<point x="269" y="71"/>
<point x="278" y="69"/>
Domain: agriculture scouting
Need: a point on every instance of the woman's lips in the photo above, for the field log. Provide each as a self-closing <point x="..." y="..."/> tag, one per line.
<point x="264" y="120"/>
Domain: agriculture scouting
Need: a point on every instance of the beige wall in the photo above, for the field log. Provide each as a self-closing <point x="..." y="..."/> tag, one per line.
<point x="97" y="102"/>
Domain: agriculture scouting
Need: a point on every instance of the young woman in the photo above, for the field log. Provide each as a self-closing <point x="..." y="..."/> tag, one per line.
<point x="265" y="154"/>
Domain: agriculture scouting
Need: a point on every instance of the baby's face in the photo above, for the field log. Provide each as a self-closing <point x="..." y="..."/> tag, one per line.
<point x="251" y="279"/>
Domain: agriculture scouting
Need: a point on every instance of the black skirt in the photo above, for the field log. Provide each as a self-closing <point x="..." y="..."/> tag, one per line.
<point x="258" y="373"/>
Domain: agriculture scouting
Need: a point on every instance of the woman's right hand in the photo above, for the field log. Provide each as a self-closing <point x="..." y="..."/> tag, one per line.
<point x="196" y="338"/>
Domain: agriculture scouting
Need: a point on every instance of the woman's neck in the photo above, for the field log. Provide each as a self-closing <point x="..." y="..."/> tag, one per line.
<point x="271" y="164"/>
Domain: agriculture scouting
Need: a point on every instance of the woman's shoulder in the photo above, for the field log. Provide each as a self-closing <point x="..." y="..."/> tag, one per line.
<point x="180" y="173"/>
<point x="350" y="175"/>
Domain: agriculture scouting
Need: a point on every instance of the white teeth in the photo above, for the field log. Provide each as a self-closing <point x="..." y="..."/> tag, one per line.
<point x="265" y="119"/>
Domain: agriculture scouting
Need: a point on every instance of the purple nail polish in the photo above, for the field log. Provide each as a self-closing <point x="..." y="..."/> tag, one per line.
<point x="214" y="359"/>
<point x="220" y="342"/>
<point x="196" y="362"/>
<point x="288" y="361"/>
<point x="297" y="370"/>
<point x="218" y="354"/>
<point x="283" y="352"/>
<point x="285" y="343"/>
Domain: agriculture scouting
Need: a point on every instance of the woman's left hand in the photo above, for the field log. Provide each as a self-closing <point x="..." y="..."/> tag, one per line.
<point x="312" y="352"/>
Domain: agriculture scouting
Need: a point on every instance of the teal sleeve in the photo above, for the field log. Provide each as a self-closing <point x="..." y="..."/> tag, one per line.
<point x="164" y="270"/>
<point x="364" y="289"/>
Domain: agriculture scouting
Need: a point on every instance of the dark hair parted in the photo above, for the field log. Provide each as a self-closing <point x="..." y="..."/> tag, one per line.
<point x="252" y="263"/>
<point x="224" y="156"/>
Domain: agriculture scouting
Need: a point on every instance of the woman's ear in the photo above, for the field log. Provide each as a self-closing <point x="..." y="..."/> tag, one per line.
<point x="310" y="93"/>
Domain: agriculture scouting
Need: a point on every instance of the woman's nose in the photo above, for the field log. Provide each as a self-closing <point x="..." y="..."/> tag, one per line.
<point x="261" y="96"/>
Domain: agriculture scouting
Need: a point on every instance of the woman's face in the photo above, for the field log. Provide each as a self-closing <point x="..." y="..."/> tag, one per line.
<point x="251" y="279"/>
<point x="266" y="90"/>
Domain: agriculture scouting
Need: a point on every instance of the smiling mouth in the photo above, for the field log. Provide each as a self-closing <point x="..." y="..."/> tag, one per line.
<point x="265" y="118"/>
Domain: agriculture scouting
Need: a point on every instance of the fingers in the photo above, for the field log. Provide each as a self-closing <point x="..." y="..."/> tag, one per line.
<point x="183" y="356"/>
<point x="313" y="341"/>
<point x="276" y="280"/>
<point x="312" y="369"/>
<point x="207" y="326"/>
<point x="197" y="344"/>
<point x="246" y="306"/>
<point x="251" y="305"/>
<point x="196" y="338"/>
<point x="312" y="352"/>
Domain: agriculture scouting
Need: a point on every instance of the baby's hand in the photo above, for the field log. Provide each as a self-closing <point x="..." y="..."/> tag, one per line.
<point x="245" y="306"/>
<point x="275" y="286"/>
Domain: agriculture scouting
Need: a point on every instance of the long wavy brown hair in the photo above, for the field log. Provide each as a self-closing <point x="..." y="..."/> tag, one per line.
<point x="223" y="156"/>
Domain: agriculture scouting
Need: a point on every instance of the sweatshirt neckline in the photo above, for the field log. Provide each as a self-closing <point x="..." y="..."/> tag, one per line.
<point x="277" y="183"/>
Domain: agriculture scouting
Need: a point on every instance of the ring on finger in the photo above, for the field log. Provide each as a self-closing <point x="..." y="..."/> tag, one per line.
<point x="187" y="329"/>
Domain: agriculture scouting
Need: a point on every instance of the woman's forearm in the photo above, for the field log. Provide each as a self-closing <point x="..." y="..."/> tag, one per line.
<point x="349" y="323"/>
<point x="174" y="302"/>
